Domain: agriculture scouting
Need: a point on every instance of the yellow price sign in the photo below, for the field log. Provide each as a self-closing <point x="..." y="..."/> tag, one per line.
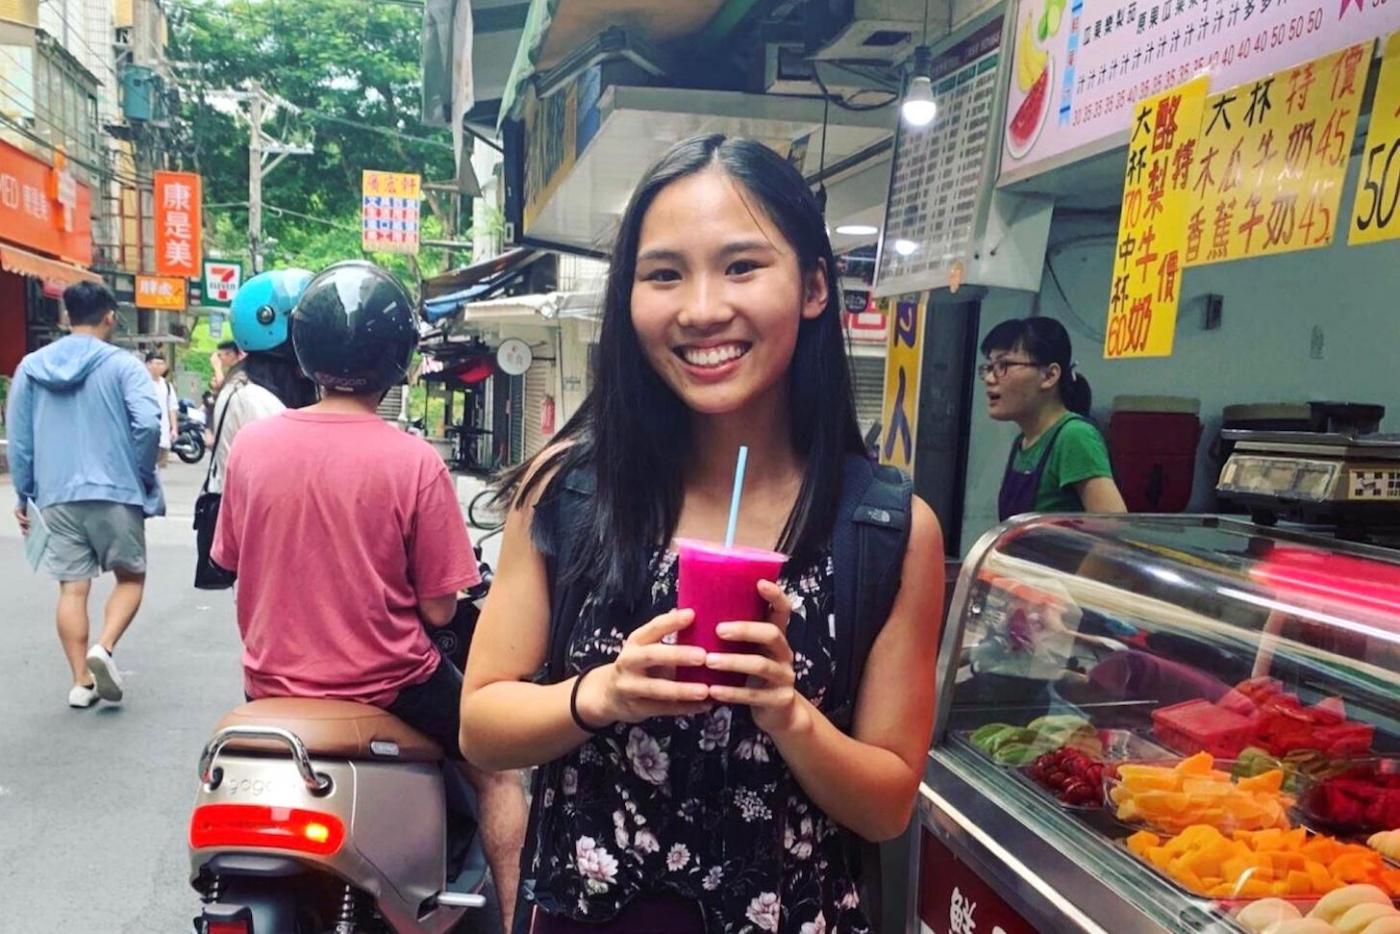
<point x="899" y="415"/>
<point x="1148" y="261"/>
<point x="1373" y="216"/>
<point x="1272" y="159"/>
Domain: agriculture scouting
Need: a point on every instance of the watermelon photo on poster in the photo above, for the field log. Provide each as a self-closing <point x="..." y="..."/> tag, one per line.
<point x="1035" y="74"/>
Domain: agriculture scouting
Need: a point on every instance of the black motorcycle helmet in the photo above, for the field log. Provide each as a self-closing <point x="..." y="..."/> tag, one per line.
<point x="354" y="329"/>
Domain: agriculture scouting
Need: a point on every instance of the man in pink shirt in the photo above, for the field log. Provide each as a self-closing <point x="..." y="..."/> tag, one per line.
<point x="346" y="536"/>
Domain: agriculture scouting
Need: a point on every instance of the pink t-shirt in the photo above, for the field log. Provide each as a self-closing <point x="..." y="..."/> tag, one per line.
<point x="337" y="525"/>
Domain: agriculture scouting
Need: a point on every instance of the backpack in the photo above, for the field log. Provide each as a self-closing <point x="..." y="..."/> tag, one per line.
<point x="867" y="544"/>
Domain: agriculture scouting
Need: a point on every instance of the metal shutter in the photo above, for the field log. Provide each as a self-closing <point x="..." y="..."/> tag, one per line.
<point x="539" y="382"/>
<point x="868" y="383"/>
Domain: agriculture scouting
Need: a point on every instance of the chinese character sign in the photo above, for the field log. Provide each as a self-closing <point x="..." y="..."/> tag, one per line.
<point x="1272" y="158"/>
<point x="1378" y="188"/>
<point x="899" y="416"/>
<point x="1079" y="65"/>
<point x="179" y="212"/>
<point x="161" y="293"/>
<point x="1152" y="227"/>
<point x="389" y="212"/>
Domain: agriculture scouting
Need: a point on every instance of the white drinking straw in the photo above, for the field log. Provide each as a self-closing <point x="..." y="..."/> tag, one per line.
<point x="737" y="496"/>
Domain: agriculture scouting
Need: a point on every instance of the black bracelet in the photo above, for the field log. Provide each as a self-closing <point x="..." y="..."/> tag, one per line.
<point x="573" y="706"/>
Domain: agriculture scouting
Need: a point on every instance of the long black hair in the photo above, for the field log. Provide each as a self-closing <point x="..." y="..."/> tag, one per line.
<point x="633" y="432"/>
<point x="1046" y="341"/>
<point x="280" y="375"/>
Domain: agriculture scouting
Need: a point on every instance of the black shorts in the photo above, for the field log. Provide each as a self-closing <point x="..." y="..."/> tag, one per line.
<point x="434" y="707"/>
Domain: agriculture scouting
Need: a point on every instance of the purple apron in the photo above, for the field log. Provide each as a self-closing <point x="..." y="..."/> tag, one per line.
<point x="1019" y="487"/>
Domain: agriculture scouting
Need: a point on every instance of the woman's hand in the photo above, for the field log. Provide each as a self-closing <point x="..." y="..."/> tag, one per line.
<point x="771" y="690"/>
<point x="641" y="683"/>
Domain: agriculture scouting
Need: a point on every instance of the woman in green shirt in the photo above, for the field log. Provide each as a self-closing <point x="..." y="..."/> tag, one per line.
<point x="1060" y="461"/>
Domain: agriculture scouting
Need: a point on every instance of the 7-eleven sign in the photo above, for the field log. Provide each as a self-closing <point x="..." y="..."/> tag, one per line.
<point x="221" y="281"/>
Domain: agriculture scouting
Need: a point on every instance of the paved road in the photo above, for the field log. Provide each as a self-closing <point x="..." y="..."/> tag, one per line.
<point x="94" y="803"/>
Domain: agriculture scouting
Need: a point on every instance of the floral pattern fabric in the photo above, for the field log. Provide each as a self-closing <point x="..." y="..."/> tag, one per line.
<point x="702" y="807"/>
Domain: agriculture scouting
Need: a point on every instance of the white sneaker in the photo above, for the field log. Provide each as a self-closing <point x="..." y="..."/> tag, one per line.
<point x="82" y="695"/>
<point x="104" y="672"/>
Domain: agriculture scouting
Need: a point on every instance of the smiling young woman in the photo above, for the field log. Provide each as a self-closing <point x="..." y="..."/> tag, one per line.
<point x="669" y="805"/>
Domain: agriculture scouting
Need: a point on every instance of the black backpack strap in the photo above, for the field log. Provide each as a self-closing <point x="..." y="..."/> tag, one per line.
<point x="868" y="544"/>
<point x="567" y="515"/>
<point x="563" y="513"/>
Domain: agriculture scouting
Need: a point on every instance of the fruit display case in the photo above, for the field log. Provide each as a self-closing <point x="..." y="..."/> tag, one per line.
<point x="1161" y="723"/>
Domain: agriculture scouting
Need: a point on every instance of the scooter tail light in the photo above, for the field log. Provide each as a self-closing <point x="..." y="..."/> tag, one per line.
<point x="263" y="827"/>
<point x="229" y="927"/>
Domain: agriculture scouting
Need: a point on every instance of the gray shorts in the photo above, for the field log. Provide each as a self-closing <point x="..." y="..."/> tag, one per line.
<point x="90" y="537"/>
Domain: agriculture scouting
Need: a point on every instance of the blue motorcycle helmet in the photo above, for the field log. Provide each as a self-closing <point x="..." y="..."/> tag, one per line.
<point x="262" y="309"/>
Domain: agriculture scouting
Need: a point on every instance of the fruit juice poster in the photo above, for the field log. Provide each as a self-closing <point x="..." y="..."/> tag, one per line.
<point x="1080" y="65"/>
<point x="1151" y="245"/>
<point x="1272" y="159"/>
<point x="1373" y="216"/>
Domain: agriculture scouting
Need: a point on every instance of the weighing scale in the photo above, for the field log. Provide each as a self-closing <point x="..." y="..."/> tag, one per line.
<point x="1350" y="481"/>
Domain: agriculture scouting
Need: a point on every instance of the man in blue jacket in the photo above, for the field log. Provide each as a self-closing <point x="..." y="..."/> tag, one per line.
<point x="84" y="431"/>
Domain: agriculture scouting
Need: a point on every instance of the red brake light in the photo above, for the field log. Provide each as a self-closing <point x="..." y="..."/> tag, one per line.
<point x="256" y="825"/>
<point x="228" y="927"/>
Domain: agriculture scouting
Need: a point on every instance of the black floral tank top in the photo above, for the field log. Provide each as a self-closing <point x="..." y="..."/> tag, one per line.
<point x="701" y="807"/>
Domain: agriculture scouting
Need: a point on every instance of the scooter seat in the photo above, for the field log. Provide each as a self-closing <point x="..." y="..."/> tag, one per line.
<point x="332" y="728"/>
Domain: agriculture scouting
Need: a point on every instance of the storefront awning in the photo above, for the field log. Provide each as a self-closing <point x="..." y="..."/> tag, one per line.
<point x="54" y="272"/>
<point x="525" y="309"/>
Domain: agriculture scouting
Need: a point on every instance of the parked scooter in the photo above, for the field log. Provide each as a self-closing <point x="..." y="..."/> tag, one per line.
<point x="188" y="443"/>
<point x="317" y="816"/>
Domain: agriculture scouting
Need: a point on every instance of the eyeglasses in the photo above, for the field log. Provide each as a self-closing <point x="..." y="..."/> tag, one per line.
<point x="999" y="367"/>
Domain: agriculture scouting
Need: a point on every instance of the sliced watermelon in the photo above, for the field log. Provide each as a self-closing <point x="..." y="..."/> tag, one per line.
<point x="1031" y="111"/>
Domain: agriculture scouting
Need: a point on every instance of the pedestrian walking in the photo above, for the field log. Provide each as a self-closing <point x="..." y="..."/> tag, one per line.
<point x="158" y="367"/>
<point x="84" y="428"/>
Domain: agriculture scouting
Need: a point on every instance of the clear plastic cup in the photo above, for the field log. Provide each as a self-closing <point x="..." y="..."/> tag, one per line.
<point x="721" y="585"/>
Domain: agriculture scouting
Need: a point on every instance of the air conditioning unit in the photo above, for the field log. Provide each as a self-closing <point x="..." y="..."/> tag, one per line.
<point x="884" y="31"/>
<point x="787" y="70"/>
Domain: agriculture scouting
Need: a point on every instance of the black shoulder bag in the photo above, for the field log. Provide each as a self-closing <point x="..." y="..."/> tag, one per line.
<point x="207" y="574"/>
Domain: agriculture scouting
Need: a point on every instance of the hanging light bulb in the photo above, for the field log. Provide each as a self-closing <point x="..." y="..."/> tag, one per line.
<point x="919" y="107"/>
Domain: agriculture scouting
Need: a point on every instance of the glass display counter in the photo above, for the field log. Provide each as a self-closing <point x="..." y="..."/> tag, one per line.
<point x="1152" y="723"/>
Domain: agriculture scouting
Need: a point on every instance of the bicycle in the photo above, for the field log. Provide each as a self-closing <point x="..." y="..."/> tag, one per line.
<point x="483" y="512"/>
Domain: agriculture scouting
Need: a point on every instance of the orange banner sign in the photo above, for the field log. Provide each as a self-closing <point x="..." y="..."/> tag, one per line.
<point x="161" y="293"/>
<point x="179" y="212"/>
<point x="1272" y="159"/>
<point x="1152" y="226"/>
<point x="43" y="208"/>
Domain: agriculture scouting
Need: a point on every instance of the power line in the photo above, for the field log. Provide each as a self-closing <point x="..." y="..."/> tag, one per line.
<point x="100" y="172"/>
<point x="319" y="220"/>
<point x="422" y="140"/>
<point x="62" y="131"/>
<point x="63" y="17"/>
<point x="135" y="181"/>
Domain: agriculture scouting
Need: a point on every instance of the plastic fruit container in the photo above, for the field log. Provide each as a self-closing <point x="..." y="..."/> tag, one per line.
<point x="1200" y="726"/>
<point x="1361" y="800"/>
<point x="1172" y="795"/>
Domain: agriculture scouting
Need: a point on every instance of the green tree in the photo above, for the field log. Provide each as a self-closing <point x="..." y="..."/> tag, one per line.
<point x="352" y="71"/>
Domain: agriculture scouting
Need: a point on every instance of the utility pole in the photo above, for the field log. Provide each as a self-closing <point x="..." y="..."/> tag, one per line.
<point x="261" y="146"/>
<point x="255" y="174"/>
